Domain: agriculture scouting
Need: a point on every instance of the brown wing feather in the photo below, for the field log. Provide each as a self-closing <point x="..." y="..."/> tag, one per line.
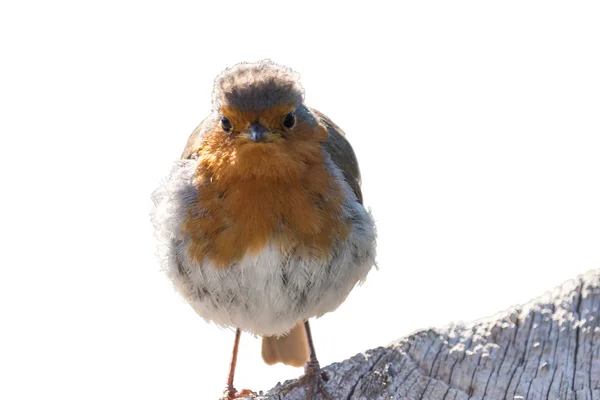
<point x="194" y="139"/>
<point x="341" y="153"/>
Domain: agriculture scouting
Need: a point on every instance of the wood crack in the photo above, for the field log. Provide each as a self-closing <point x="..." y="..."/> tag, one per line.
<point x="528" y="353"/>
<point x="353" y="388"/>
<point x="577" y="333"/>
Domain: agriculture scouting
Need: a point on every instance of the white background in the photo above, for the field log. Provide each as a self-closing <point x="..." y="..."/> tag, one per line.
<point x="476" y="125"/>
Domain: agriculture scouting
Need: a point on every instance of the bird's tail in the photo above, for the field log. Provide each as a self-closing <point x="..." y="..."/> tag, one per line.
<point x="291" y="349"/>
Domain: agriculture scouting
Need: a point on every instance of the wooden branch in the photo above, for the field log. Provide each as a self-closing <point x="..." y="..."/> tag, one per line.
<point x="546" y="349"/>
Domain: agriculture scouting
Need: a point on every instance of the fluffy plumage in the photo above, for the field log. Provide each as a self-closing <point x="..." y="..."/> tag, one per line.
<point x="269" y="290"/>
<point x="262" y="235"/>
<point x="257" y="86"/>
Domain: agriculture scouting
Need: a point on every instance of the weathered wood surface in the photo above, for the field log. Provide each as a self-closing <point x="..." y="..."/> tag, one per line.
<point x="546" y="349"/>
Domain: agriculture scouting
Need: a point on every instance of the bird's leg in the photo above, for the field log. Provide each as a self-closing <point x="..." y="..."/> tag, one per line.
<point x="313" y="377"/>
<point x="230" y="391"/>
<point x="312" y="369"/>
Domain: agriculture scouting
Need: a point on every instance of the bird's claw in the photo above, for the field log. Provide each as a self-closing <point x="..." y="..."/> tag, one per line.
<point x="232" y="394"/>
<point x="312" y="381"/>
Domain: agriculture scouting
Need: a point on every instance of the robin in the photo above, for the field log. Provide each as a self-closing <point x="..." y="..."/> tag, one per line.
<point x="261" y="224"/>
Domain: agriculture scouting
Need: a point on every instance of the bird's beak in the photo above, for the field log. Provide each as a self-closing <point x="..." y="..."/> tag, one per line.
<point x="257" y="132"/>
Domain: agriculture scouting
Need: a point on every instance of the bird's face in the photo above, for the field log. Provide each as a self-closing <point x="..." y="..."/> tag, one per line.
<point x="272" y="125"/>
<point x="260" y="127"/>
<point x="276" y="142"/>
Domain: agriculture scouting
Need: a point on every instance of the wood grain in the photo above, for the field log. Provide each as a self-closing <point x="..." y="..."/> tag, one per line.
<point x="546" y="349"/>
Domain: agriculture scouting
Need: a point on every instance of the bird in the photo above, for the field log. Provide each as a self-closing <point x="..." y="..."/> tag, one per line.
<point x="261" y="223"/>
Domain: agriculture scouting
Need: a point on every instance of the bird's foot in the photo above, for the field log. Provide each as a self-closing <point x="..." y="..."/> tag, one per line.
<point x="312" y="381"/>
<point x="231" y="393"/>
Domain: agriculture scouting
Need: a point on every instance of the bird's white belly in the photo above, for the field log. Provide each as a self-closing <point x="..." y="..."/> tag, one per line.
<point x="265" y="293"/>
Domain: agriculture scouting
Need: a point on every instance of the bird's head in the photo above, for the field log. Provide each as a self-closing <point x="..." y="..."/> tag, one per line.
<point x="260" y="125"/>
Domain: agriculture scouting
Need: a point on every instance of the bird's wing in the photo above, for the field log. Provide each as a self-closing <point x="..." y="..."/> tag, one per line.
<point x="194" y="139"/>
<point x="341" y="153"/>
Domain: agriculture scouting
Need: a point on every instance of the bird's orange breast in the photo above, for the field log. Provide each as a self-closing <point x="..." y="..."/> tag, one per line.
<point x="250" y="196"/>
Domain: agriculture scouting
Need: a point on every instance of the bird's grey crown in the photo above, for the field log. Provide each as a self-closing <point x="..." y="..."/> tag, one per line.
<point x="257" y="86"/>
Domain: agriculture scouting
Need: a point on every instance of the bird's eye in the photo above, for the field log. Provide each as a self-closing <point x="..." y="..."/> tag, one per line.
<point x="226" y="124"/>
<point x="290" y="120"/>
